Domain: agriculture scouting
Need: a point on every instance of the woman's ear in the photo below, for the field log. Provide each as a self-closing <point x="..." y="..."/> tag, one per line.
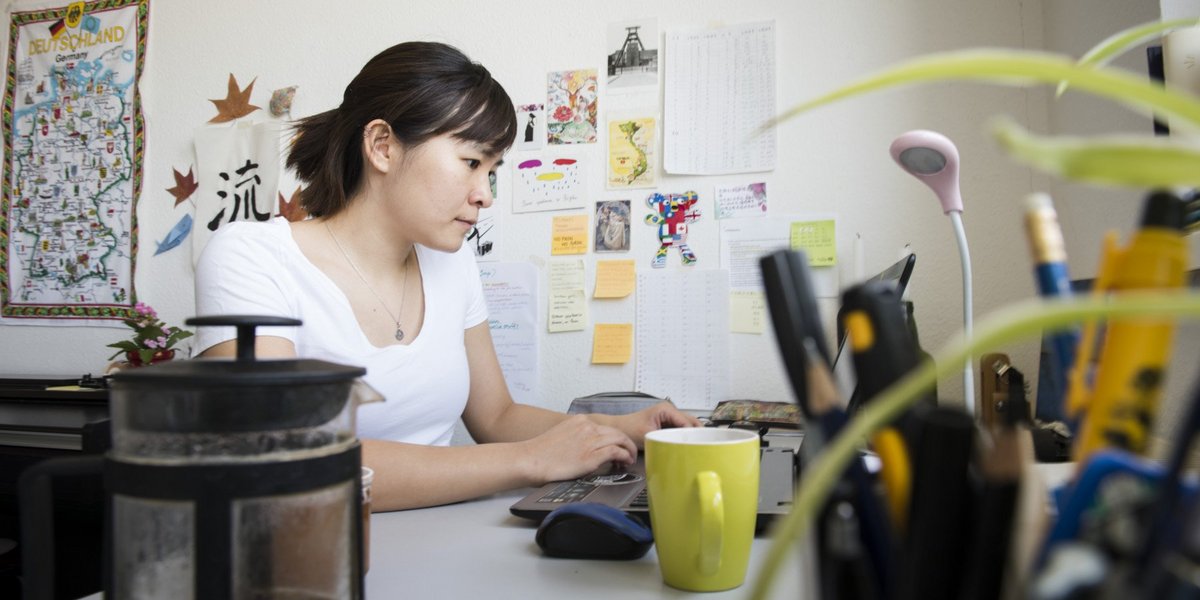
<point x="377" y="145"/>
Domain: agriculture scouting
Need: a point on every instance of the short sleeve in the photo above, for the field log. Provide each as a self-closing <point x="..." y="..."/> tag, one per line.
<point x="240" y="273"/>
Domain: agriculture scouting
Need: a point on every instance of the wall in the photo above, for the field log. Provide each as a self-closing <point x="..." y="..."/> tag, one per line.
<point x="834" y="159"/>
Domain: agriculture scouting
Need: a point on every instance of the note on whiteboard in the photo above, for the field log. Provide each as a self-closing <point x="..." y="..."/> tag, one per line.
<point x="511" y="293"/>
<point x="682" y="333"/>
<point x="614" y="278"/>
<point x="719" y="90"/>
<point x="748" y="200"/>
<point x="747" y="312"/>
<point x="817" y="239"/>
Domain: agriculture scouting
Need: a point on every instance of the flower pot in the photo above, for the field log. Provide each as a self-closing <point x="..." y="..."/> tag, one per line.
<point x="135" y="359"/>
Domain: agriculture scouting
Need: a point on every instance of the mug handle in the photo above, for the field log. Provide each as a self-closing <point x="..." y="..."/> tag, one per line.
<point x="712" y="521"/>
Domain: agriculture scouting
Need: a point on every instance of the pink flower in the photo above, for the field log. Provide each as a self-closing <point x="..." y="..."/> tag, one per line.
<point x="151" y="344"/>
<point x="563" y="113"/>
<point x="162" y="341"/>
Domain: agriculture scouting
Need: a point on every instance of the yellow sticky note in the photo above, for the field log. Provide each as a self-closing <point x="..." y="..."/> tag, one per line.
<point x="816" y="238"/>
<point x="747" y="312"/>
<point x="612" y="343"/>
<point x="569" y="235"/>
<point x="568" y="311"/>
<point x="614" y="278"/>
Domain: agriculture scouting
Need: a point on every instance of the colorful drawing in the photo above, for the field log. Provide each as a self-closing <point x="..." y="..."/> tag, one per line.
<point x="571" y="106"/>
<point x="631" y="153"/>
<point x="672" y="214"/>
<point x="555" y="184"/>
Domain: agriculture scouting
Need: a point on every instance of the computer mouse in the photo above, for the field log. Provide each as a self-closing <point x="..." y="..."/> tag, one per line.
<point x="592" y="530"/>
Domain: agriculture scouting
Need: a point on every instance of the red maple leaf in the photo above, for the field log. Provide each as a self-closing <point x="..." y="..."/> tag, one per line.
<point x="292" y="211"/>
<point x="185" y="185"/>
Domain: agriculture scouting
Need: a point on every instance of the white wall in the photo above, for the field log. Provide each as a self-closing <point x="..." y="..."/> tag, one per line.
<point x="834" y="159"/>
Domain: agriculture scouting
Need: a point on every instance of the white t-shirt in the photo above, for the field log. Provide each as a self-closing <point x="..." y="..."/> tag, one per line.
<point x="257" y="269"/>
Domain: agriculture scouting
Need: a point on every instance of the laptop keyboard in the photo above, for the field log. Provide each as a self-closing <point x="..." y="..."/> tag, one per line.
<point x="578" y="490"/>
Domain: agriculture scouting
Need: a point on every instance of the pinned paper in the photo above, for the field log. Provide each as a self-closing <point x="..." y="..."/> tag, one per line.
<point x="631" y="159"/>
<point x="816" y="239"/>
<point x="531" y="126"/>
<point x="742" y="201"/>
<point x="568" y="306"/>
<point x="612" y="343"/>
<point x="281" y="101"/>
<point x="612" y="226"/>
<point x="553" y="183"/>
<point x="569" y="235"/>
<point x="747" y="312"/>
<point x="568" y="311"/>
<point x="571" y="106"/>
<point x="236" y="103"/>
<point x="614" y="278"/>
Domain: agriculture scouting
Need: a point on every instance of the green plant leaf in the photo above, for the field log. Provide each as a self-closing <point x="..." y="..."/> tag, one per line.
<point x="1140" y="162"/>
<point x="1123" y="41"/>
<point x="1010" y="324"/>
<point x="1019" y="68"/>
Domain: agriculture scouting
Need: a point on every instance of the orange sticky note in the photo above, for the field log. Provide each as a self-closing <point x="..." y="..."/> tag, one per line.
<point x="569" y="235"/>
<point x="612" y="343"/>
<point x="614" y="278"/>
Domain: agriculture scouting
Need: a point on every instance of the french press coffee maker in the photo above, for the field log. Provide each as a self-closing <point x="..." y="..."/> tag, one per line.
<point x="235" y="479"/>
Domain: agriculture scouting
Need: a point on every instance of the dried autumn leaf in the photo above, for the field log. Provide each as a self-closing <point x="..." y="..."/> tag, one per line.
<point x="292" y="211"/>
<point x="185" y="186"/>
<point x="236" y="103"/>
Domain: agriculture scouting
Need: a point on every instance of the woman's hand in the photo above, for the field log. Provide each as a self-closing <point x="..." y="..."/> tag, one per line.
<point x="575" y="447"/>
<point x="660" y="416"/>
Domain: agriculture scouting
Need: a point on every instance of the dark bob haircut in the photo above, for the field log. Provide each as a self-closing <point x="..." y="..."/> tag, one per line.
<point x="423" y="90"/>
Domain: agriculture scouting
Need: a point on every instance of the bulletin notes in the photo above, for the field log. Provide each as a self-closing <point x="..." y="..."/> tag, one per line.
<point x="719" y="92"/>
<point x="682" y="344"/>
<point x="614" y="278"/>
<point x="510" y="290"/>
<point x="567" y="304"/>
<point x="612" y="343"/>
<point x="816" y="239"/>
<point x="569" y="235"/>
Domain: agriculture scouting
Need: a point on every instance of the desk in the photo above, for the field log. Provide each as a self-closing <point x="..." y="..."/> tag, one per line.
<point x="478" y="550"/>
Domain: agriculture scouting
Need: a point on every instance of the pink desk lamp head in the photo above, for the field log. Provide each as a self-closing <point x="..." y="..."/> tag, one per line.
<point x="932" y="158"/>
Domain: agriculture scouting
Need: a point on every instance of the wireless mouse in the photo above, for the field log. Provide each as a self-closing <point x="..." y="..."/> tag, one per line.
<point x="591" y="530"/>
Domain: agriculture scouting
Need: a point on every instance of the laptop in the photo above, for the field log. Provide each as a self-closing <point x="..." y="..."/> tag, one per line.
<point x="625" y="488"/>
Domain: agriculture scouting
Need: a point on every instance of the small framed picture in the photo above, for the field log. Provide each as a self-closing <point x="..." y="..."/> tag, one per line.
<point x="612" y="226"/>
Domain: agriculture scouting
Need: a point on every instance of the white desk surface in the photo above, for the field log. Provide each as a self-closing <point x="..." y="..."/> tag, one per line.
<point x="477" y="549"/>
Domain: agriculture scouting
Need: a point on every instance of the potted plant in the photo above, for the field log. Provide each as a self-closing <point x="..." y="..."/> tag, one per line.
<point x="153" y="340"/>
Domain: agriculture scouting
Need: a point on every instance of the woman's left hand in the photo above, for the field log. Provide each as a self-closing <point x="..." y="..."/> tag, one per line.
<point x="660" y="416"/>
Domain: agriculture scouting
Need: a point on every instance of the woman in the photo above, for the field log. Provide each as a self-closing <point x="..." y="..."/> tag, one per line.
<point x="397" y="175"/>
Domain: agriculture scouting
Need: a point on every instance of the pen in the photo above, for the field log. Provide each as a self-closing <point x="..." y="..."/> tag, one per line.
<point x="1050" y="270"/>
<point x="1129" y="375"/>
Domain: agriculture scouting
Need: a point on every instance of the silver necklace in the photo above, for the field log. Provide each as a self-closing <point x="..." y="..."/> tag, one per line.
<point x="403" y="286"/>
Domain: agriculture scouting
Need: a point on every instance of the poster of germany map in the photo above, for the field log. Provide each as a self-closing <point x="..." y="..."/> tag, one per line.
<point x="73" y="144"/>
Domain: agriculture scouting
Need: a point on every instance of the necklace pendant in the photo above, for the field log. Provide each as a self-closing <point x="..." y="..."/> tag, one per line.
<point x="399" y="333"/>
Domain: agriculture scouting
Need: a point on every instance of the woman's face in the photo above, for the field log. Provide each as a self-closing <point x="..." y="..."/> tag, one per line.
<point x="440" y="187"/>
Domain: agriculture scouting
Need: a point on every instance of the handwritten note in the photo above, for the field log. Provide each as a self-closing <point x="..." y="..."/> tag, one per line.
<point x="817" y="240"/>
<point x="747" y="312"/>
<point x="569" y="235"/>
<point x="510" y="290"/>
<point x="719" y="92"/>
<point x="614" y="278"/>
<point x="742" y="201"/>
<point x="567" y="302"/>
<point x="612" y="343"/>
<point x="568" y="311"/>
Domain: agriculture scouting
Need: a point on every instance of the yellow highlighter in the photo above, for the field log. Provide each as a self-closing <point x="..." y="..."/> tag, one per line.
<point x="1120" y="409"/>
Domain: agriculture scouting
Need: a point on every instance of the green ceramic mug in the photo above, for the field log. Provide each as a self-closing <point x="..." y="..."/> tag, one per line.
<point x="703" y="486"/>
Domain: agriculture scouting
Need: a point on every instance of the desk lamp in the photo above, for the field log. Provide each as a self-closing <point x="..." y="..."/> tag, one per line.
<point x="932" y="158"/>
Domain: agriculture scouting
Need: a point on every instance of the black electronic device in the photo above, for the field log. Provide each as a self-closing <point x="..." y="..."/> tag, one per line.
<point x="593" y="530"/>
